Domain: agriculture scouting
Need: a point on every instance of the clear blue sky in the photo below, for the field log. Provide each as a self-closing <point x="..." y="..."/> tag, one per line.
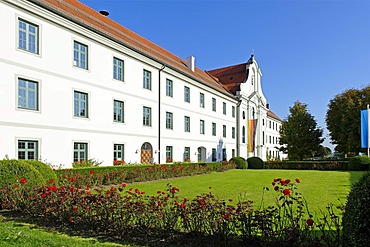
<point x="307" y="50"/>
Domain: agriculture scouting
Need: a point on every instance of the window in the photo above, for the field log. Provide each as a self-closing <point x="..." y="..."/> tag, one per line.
<point x="233" y="111"/>
<point x="201" y="100"/>
<point x="187" y="124"/>
<point x="80" y="55"/>
<point x="263" y="137"/>
<point x="118" y="111"/>
<point x="224" y="108"/>
<point x="213" y="129"/>
<point x="80" y="104"/>
<point x="147" y="79"/>
<point x="232" y="153"/>
<point x="202" y="130"/>
<point x="169" y="88"/>
<point x="214" y="154"/>
<point x="213" y="104"/>
<point x="118" y="69"/>
<point x="243" y="114"/>
<point x="233" y="132"/>
<point x="224" y="154"/>
<point x="147" y="116"/>
<point x="27" y="150"/>
<point x="243" y="135"/>
<point x="187" y="154"/>
<point x="28" y="39"/>
<point x="224" y="130"/>
<point x="80" y="152"/>
<point x="27" y="94"/>
<point x="168" y="154"/>
<point x="169" y="120"/>
<point x="187" y="94"/>
<point x="119" y="152"/>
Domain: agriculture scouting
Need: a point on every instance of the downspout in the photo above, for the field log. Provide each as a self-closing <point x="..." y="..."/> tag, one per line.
<point x="237" y="127"/>
<point x="159" y="112"/>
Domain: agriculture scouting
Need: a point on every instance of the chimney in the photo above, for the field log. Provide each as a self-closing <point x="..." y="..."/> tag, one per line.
<point x="191" y="63"/>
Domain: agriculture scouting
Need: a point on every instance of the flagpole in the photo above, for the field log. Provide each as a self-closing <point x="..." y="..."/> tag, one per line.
<point x="368" y="129"/>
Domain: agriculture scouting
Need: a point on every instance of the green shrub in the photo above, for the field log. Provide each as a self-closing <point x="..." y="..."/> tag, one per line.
<point x="359" y="163"/>
<point x="45" y="170"/>
<point x="240" y="162"/>
<point x="356" y="220"/>
<point x="255" y="163"/>
<point x="12" y="170"/>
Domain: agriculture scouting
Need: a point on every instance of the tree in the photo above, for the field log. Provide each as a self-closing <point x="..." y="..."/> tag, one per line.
<point x="299" y="135"/>
<point x="343" y="119"/>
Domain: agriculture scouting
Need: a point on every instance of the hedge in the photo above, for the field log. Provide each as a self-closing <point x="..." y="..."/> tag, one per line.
<point x="308" y="165"/>
<point x="97" y="176"/>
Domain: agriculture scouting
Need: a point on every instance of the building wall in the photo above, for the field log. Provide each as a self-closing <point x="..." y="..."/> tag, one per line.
<point x="54" y="125"/>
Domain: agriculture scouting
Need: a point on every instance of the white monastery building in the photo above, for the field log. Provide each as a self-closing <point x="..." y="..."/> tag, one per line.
<point x="75" y="85"/>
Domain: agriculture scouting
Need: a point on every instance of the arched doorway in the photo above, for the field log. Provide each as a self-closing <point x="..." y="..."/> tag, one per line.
<point x="146" y="153"/>
<point x="202" y="154"/>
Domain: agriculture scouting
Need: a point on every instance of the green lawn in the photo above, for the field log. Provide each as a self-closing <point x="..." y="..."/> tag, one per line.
<point x="319" y="188"/>
<point x="21" y="234"/>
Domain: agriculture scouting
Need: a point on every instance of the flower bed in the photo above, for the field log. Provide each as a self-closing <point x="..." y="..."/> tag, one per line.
<point x="119" y="210"/>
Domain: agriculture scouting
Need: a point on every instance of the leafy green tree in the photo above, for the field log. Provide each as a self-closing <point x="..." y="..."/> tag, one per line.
<point x="343" y="119"/>
<point x="299" y="134"/>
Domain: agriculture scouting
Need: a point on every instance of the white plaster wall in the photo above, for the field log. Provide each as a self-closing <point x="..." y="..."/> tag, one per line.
<point x="55" y="126"/>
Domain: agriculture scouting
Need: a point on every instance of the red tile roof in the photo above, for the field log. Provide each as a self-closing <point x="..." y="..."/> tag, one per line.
<point x="91" y="19"/>
<point x="273" y="115"/>
<point x="231" y="76"/>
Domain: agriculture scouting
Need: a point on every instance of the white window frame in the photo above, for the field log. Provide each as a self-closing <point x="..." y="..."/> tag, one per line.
<point x="147" y="116"/>
<point x="169" y="88"/>
<point x="28" y="91"/>
<point x="169" y="120"/>
<point x="147" y="79"/>
<point x="87" y="112"/>
<point x="186" y="124"/>
<point x="26" y="150"/>
<point x="201" y="100"/>
<point x="118" y="111"/>
<point x="186" y="94"/>
<point x="118" y="69"/>
<point x="77" y="60"/>
<point x="27" y="34"/>
<point x="85" y="150"/>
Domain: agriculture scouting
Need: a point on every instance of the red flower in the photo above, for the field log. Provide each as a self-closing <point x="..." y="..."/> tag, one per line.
<point x="286" y="192"/>
<point x="166" y="198"/>
<point x="124" y="185"/>
<point x="230" y="200"/>
<point x="87" y="208"/>
<point x="51" y="188"/>
<point x="159" y="203"/>
<point x="142" y="192"/>
<point x="92" y="172"/>
<point x="276" y="188"/>
<point x="74" y="208"/>
<point x="226" y="217"/>
<point x="309" y="222"/>
<point x="23" y="180"/>
<point x="15" y="186"/>
<point x="182" y="205"/>
<point x="70" y="219"/>
<point x="273" y="183"/>
<point x="159" y="192"/>
<point x="297" y="180"/>
<point x="287" y="181"/>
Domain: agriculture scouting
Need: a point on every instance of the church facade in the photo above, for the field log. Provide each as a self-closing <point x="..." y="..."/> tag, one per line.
<point x="75" y="85"/>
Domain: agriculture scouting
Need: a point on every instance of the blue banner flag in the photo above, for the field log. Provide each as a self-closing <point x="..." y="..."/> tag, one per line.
<point x="364" y="128"/>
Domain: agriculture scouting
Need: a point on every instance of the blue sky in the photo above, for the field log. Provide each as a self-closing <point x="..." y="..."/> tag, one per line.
<point x="307" y="50"/>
